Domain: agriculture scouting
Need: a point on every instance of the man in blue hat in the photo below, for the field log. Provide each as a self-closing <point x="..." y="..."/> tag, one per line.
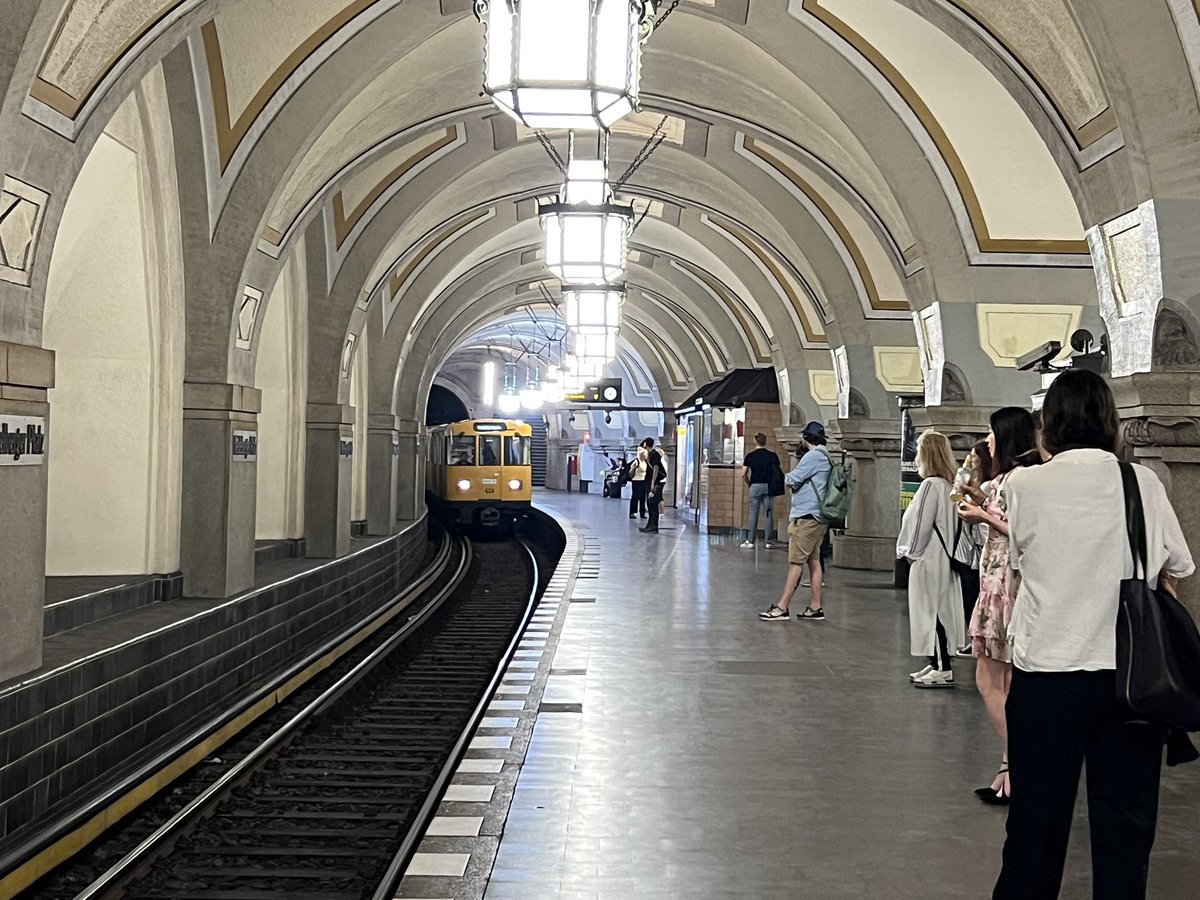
<point x="806" y="529"/>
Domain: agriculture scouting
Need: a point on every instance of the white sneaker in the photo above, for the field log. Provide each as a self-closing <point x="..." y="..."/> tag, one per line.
<point x="747" y="545"/>
<point x="913" y="676"/>
<point x="935" y="679"/>
<point x="770" y="545"/>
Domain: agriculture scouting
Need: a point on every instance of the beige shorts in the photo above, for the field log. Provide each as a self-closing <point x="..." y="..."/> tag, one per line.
<point x="804" y="539"/>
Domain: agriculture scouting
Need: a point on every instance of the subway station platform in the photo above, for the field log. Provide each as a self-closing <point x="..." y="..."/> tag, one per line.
<point x="655" y="739"/>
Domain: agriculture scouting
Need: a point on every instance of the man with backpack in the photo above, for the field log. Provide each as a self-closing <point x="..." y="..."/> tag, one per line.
<point x="809" y="482"/>
<point x="759" y="468"/>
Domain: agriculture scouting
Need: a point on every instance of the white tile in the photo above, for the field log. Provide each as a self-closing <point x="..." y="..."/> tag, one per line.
<point x="511" y="689"/>
<point x="537" y="628"/>
<point x="499" y="722"/>
<point x="454" y="864"/>
<point x="519" y="676"/>
<point x="481" y="766"/>
<point x="491" y="742"/>
<point x="497" y="705"/>
<point x="524" y="664"/>
<point x="528" y="654"/>
<point x="455" y="826"/>
<point x="469" y="793"/>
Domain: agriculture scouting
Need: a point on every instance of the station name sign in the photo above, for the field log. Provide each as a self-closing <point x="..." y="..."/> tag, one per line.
<point x="22" y="441"/>
<point x="245" y="446"/>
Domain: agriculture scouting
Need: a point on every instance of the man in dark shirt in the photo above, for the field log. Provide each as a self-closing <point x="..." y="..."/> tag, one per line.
<point x="756" y="472"/>
<point x="656" y="477"/>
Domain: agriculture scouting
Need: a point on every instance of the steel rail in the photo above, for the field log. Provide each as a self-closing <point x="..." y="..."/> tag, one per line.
<point x="65" y="831"/>
<point x="389" y="887"/>
<point x="184" y="818"/>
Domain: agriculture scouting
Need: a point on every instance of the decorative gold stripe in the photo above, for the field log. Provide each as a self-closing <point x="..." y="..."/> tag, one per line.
<point x="438" y="239"/>
<point x="670" y="363"/>
<point x="271" y="235"/>
<point x="69" y="105"/>
<point x="911" y="253"/>
<point x="860" y="262"/>
<point x="698" y="333"/>
<point x="734" y="306"/>
<point x="1084" y="134"/>
<point x="810" y="332"/>
<point x="987" y="243"/>
<point x="229" y="136"/>
<point x="343" y="224"/>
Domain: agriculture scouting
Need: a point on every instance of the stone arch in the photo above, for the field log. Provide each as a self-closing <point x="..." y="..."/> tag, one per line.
<point x="115" y="317"/>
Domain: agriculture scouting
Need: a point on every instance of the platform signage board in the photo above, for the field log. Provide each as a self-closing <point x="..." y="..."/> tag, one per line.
<point x="22" y="441"/>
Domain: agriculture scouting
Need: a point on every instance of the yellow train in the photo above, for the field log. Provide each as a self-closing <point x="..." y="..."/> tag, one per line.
<point x="479" y="470"/>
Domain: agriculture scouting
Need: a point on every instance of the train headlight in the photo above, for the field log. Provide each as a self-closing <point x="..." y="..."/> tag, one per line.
<point x="463" y="484"/>
<point x="514" y="484"/>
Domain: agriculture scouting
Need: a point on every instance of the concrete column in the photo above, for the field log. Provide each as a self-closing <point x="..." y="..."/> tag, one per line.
<point x="1160" y="418"/>
<point x="383" y="457"/>
<point x="328" y="480"/>
<point x="874" y="522"/>
<point x="220" y="468"/>
<point x="410" y="471"/>
<point x="26" y="373"/>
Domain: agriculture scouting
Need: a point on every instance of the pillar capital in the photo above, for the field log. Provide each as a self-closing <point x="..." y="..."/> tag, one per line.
<point x="1160" y="425"/>
<point x="860" y="437"/>
<point x="963" y="425"/>
<point x="200" y="398"/>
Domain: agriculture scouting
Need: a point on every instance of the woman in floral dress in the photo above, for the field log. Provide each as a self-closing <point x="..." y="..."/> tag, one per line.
<point x="1013" y="444"/>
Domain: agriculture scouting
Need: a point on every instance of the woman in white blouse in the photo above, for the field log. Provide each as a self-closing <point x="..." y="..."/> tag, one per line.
<point x="1066" y="522"/>
<point x="935" y="607"/>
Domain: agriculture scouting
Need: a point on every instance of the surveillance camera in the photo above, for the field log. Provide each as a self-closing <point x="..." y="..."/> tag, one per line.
<point x="1038" y="359"/>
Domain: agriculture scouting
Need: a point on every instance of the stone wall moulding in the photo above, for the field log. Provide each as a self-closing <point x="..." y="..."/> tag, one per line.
<point x="1129" y="278"/>
<point x="248" y="309"/>
<point x="841" y="371"/>
<point x="1007" y="330"/>
<point x="899" y="369"/>
<point x="931" y="351"/>
<point x="22" y="209"/>
<point x="822" y="384"/>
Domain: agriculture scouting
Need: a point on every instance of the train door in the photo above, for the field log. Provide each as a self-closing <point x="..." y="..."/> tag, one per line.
<point x="516" y="474"/>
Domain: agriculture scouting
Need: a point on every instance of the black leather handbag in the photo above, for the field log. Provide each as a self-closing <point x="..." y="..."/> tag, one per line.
<point x="1158" y="645"/>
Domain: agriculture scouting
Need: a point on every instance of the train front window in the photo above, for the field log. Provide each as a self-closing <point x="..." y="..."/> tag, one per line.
<point x="516" y="450"/>
<point x="462" y="450"/>
<point x="489" y="450"/>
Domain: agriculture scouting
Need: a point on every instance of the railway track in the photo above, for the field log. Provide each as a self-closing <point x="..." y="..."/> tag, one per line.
<point x="327" y="797"/>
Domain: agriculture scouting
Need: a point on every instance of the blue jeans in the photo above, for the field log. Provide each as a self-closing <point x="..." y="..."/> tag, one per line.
<point x="760" y="495"/>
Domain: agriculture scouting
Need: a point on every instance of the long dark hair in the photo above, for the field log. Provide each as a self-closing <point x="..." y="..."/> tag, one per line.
<point x="1016" y="443"/>
<point x="984" y="455"/>
<point x="1079" y="412"/>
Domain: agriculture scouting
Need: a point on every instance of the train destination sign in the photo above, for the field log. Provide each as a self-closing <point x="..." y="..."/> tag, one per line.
<point x="22" y="441"/>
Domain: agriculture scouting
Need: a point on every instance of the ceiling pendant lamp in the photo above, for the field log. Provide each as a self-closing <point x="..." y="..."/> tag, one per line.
<point x="564" y="63"/>
<point x="593" y="315"/>
<point x="587" y="234"/>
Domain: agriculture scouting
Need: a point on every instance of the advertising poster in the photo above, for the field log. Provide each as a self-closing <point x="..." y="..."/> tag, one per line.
<point x="910" y="480"/>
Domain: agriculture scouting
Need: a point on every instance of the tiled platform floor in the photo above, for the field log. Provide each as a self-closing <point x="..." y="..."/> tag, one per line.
<point x="717" y="756"/>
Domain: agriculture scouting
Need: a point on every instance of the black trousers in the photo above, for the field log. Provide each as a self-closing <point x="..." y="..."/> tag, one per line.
<point x="1056" y="721"/>
<point x="941" y="659"/>
<point x="654" y="501"/>
<point x="637" y="503"/>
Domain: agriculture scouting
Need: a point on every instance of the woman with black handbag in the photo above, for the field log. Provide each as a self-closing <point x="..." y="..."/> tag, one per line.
<point x="1068" y="540"/>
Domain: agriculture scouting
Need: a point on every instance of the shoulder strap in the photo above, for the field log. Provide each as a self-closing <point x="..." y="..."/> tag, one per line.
<point x="1135" y="518"/>
<point x="937" y="531"/>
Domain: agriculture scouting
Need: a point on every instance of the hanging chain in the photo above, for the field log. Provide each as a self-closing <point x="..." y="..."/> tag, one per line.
<point x="554" y="155"/>
<point x="652" y="144"/>
<point x="663" y="17"/>
<point x="645" y="212"/>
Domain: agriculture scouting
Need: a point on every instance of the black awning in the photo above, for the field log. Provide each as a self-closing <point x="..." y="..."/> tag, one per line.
<point x="737" y="388"/>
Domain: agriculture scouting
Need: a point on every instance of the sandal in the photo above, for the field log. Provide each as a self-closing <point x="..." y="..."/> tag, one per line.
<point x="991" y="794"/>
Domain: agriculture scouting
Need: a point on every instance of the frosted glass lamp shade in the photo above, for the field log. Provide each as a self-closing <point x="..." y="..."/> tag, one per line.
<point x="564" y="63"/>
